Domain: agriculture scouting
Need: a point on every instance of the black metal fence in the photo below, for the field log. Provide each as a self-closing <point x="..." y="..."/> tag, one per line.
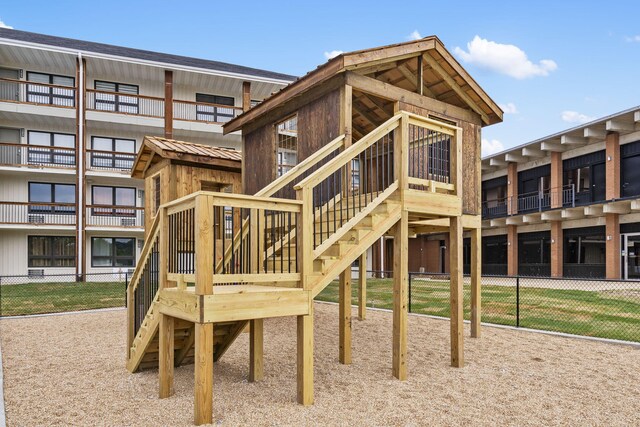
<point x="25" y="295"/>
<point x="590" y="307"/>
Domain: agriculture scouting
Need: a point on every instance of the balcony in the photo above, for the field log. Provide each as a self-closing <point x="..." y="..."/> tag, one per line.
<point x="129" y="104"/>
<point x="191" y="111"/>
<point x="37" y="214"/>
<point x="25" y="92"/>
<point x="537" y="201"/>
<point x="112" y="161"/>
<point x="18" y="155"/>
<point x="115" y="216"/>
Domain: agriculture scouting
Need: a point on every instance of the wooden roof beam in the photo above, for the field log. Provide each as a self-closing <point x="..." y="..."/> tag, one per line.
<point x="456" y="87"/>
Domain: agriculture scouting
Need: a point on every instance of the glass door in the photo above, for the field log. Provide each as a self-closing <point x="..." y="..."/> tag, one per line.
<point x="631" y="256"/>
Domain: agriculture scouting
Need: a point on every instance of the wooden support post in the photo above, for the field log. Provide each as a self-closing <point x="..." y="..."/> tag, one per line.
<point x="456" y="298"/>
<point x="344" y="303"/>
<point x="476" y="281"/>
<point x="256" y="346"/>
<point x="420" y="77"/>
<point x="165" y="355"/>
<point x="203" y="384"/>
<point x="246" y="96"/>
<point x="305" y="359"/>
<point x="204" y="245"/>
<point x="400" y="295"/>
<point x="362" y="287"/>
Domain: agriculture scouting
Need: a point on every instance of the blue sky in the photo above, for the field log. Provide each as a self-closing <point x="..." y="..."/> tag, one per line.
<point x="551" y="64"/>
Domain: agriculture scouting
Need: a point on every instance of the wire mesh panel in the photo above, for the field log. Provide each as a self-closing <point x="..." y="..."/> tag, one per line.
<point x="429" y="155"/>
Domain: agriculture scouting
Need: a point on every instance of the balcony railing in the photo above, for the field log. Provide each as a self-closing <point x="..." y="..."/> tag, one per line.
<point x="537" y="201"/>
<point x="37" y="213"/>
<point x="125" y="103"/>
<point x="12" y="154"/>
<point x="204" y="112"/>
<point x="25" y="92"/>
<point x="115" y="216"/>
<point x="110" y="160"/>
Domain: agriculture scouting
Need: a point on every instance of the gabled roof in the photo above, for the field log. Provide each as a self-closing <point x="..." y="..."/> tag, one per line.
<point x="154" y="149"/>
<point x="126" y="52"/>
<point x="443" y="77"/>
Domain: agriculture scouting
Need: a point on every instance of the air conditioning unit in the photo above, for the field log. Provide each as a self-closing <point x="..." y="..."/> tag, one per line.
<point x="36" y="219"/>
<point x="36" y="273"/>
<point x="127" y="222"/>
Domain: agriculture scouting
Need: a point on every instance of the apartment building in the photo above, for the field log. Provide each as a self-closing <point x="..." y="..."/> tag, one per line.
<point x="73" y="115"/>
<point x="566" y="205"/>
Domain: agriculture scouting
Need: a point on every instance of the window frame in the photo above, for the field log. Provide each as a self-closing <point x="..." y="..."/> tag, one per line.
<point x="52" y="209"/>
<point x="113" y="257"/>
<point x="215" y="111"/>
<point x="52" y="257"/>
<point x="114" y="208"/>
<point x="117" y="102"/>
<point x="280" y="167"/>
<point x="50" y="93"/>
<point x="50" y="153"/>
<point x="114" y="158"/>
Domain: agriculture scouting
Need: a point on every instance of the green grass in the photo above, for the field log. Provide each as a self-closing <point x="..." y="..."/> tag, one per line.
<point x="36" y="298"/>
<point x="605" y="314"/>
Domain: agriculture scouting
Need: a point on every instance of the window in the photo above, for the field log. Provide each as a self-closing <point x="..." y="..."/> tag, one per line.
<point x="534" y="253"/>
<point x="214" y="113"/>
<point x="355" y="176"/>
<point x="585" y="252"/>
<point x="126" y="103"/>
<point x="113" y="252"/>
<point x="112" y="153"/>
<point x="44" y="94"/>
<point x="52" y="198"/>
<point x="38" y="155"/>
<point x="287" y="148"/>
<point x="156" y="194"/>
<point x="113" y="198"/>
<point x="51" y="251"/>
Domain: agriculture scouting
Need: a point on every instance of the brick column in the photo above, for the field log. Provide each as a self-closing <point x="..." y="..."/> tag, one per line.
<point x="613" y="165"/>
<point x="512" y="250"/>
<point x="556" y="180"/>
<point x="512" y="188"/>
<point x="557" y="255"/>
<point x="613" y="245"/>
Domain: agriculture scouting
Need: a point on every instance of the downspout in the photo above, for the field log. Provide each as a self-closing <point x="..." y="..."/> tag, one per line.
<point x="80" y="244"/>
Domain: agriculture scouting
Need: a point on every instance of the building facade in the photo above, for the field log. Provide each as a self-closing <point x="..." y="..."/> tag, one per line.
<point x="566" y="205"/>
<point x="73" y="115"/>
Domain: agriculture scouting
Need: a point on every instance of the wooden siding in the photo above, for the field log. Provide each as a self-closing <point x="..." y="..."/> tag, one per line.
<point x="259" y="163"/>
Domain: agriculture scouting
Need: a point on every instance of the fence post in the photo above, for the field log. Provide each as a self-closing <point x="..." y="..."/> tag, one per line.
<point x="517" y="301"/>
<point x="410" y="282"/>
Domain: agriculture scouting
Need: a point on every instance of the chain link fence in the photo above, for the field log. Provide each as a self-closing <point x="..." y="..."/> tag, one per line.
<point x="25" y="295"/>
<point x="590" y="307"/>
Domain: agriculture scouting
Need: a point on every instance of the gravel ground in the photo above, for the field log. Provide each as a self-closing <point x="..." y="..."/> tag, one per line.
<point x="69" y="370"/>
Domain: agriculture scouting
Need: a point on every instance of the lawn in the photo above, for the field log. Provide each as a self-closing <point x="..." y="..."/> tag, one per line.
<point x="606" y="314"/>
<point x="35" y="298"/>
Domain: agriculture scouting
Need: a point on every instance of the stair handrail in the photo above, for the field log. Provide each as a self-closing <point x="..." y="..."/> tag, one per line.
<point x="153" y="233"/>
<point x="349" y="153"/>
<point x="280" y="183"/>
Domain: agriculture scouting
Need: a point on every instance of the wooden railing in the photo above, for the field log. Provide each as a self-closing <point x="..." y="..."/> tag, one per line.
<point x="26" y="92"/>
<point x="125" y="103"/>
<point x="204" y="112"/>
<point x="13" y="154"/>
<point x="110" y="160"/>
<point x="37" y="213"/>
<point x="115" y="216"/>
<point x="144" y="283"/>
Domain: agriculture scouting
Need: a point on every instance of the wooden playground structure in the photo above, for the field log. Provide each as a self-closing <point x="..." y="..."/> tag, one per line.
<point x="383" y="141"/>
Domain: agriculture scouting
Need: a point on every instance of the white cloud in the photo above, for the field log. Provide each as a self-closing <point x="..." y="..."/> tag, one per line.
<point x="633" y="39"/>
<point x="333" y="54"/>
<point x="491" y="147"/>
<point x="3" y="25"/>
<point x="509" y="108"/>
<point x="504" y="58"/>
<point x="575" y="117"/>
<point x="415" y="35"/>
